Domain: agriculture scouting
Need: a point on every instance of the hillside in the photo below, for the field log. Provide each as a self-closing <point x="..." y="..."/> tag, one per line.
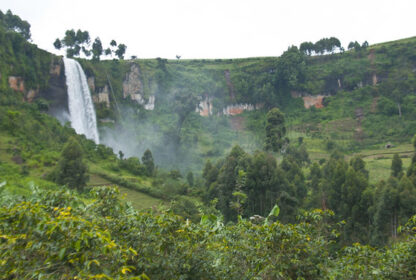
<point x="357" y="94"/>
<point x="356" y="106"/>
<point x="268" y="168"/>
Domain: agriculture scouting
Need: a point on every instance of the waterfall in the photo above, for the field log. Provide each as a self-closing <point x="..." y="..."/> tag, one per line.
<point x="81" y="108"/>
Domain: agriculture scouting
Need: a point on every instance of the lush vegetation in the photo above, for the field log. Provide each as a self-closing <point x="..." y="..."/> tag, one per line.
<point x="283" y="192"/>
<point x="368" y="101"/>
<point x="58" y="234"/>
<point x="18" y="57"/>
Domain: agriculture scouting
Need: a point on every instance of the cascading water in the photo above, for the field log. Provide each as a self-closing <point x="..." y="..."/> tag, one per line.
<point x="81" y="108"/>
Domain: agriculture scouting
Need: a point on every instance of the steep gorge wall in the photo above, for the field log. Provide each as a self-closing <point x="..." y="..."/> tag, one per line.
<point x="54" y="92"/>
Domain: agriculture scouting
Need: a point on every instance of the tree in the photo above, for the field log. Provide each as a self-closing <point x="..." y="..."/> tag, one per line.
<point x="227" y="180"/>
<point x="275" y="130"/>
<point x="239" y="196"/>
<point x="184" y="103"/>
<point x="334" y="43"/>
<point x="359" y="165"/>
<point x="121" y="51"/>
<point x="71" y="169"/>
<point x="97" y="49"/>
<point x="399" y="83"/>
<point x="147" y="160"/>
<point x="210" y="173"/>
<point x="121" y="154"/>
<point x="307" y="48"/>
<point x="291" y="67"/>
<point x="327" y="45"/>
<point x="354" y="45"/>
<point x="411" y="171"/>
<point x="396" y="166"/>
<point x="15" y="23"/>
<point x="74" y="42"/>
<point x="57" y="44"/>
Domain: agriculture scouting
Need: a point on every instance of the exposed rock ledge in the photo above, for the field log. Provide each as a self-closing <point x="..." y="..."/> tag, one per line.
<point x="102" y="96"/>
<point x="205" y="108"/>
<point x="310" y="100"/>
<point x="133" y="88"/>
<point x="18" y="84"/>
<point x="315" y="100"/>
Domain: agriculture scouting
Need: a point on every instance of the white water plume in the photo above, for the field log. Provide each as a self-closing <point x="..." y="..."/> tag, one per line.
<point x="81" y="108"/>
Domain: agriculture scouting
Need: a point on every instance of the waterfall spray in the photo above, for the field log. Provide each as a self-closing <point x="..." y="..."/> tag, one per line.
<point x="81" y="108"/>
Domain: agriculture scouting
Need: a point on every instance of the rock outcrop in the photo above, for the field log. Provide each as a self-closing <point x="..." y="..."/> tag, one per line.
<point x="102" y="96"/>
<point x="133" y="88"/>
<point x="17" y="83"/>
<point x="150" y="105"/>
<point x="313" y="100"/>
<point x="56" y="92"/>
<point x="91" y="83"/>
<point x="205" y="107"/>
<point x="236" y="109"/>
<point x="132" y="85"/>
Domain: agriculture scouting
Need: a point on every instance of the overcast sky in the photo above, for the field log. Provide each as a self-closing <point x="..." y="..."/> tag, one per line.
<point x="216" y="28"/>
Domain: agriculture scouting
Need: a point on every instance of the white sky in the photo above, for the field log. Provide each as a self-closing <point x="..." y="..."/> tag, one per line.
<point x="216" y="28"/>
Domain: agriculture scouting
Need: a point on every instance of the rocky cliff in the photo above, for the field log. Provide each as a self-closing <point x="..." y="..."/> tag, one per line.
<point x="133" y="88"/>
<point x="56" y="92"/>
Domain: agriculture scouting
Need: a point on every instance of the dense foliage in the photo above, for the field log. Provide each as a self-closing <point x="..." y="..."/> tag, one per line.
<point x="258" y="211"/>
<point x="18" y="57"/>
<point x="71" y="170"/>
<point x="56" y="234"/>
<point x="372" y="214"/>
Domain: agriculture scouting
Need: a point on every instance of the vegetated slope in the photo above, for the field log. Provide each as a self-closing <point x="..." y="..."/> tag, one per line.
<point x="65" y="234"/>
<point x="361" y="91"/>
<point x="57" y="235"/>
<point x="366" y="95"/>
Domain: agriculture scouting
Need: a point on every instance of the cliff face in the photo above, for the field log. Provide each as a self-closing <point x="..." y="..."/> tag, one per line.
<point x="206" y="108"/>
<point x="56" y="92"/>
<point x="18" y="84"/>
<point x="133" y="88"/>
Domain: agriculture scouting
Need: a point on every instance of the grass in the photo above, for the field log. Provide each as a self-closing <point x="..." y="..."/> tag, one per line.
<point x="380" y="167"/>
<point x="97" y="180"/>
<point x="138" y="200"/>
<point x="379" y="160"/>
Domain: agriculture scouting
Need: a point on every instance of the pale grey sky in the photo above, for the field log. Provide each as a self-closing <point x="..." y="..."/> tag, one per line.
<point x="216" y="28"/>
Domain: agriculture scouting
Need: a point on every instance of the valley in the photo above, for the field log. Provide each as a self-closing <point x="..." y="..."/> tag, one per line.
<point x="301" y="166"/>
